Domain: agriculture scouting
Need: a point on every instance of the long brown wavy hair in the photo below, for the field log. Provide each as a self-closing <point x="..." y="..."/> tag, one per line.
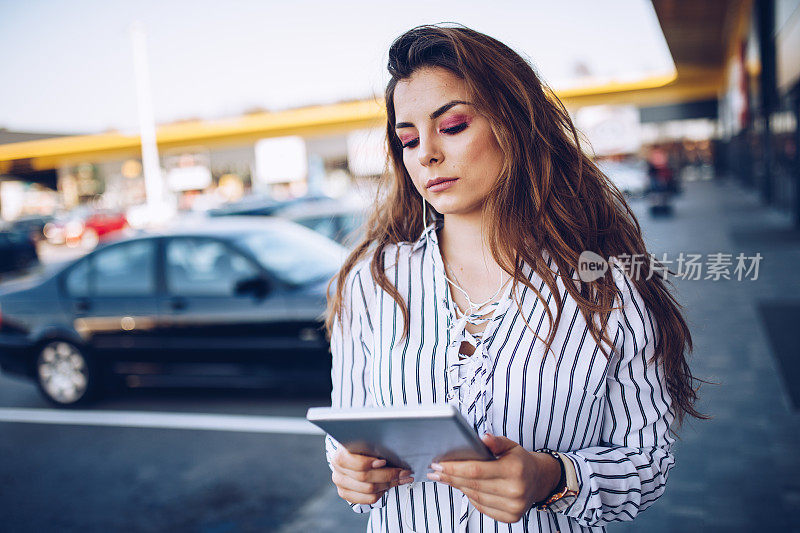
<point x="549" y="196"/>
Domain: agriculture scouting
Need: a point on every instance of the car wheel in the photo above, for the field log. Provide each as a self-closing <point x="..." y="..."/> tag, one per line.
<point x="65" y="374"/>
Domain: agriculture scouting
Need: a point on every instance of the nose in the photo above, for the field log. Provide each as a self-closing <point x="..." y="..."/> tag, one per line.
<point x="429" y="152"/>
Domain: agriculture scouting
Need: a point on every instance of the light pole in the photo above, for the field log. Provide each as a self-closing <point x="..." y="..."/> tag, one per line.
<point x="153" y="181"/>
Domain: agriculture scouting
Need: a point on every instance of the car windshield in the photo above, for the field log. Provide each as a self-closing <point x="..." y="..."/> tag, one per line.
<point x="295" y="254"/>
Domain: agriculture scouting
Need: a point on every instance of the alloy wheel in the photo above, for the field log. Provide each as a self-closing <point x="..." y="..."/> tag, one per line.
<point x="63" y="372"/>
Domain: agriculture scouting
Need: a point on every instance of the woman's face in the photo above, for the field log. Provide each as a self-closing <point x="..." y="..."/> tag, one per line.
<point x="443" y="136"/>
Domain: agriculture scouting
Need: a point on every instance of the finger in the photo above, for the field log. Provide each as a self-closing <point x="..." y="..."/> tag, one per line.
<point x="498" y="445"/>
<point x="497" y="487"/>
<point x="355" y="497"/>
<point x="469" y="469"/>
<point x="354" y="461"/>
<point x="376" y="475"/>
<point x="497" y="514"/>
<point x="362" y="487"/>
<point x="512" y="507"/>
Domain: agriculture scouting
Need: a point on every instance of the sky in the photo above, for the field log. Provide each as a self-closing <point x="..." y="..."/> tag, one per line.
<point x="68" y="66"/>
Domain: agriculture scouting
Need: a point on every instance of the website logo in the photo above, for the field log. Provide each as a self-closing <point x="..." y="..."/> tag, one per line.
<point x="591" y="266"/>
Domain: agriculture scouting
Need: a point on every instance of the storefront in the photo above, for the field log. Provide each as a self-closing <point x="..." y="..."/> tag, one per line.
<point x="760" y="108"/>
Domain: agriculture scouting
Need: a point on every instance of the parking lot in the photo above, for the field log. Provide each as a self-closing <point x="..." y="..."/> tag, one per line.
<point x="248" y="463"/>
<point x="163" y="459"/>
<point x="85" y="477"/>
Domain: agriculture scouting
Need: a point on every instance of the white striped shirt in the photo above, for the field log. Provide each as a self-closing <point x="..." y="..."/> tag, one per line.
<point x="610" y="417"/>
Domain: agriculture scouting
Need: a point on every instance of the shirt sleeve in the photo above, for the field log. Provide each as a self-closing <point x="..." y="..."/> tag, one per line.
<point x="351" y="357"/>
<point x="628" y="471"/>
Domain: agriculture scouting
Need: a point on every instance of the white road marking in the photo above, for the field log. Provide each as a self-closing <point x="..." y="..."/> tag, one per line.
<point x="145" y="419"/>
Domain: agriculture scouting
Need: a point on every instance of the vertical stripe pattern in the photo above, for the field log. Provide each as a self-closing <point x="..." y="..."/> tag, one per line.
<point x="611" y="418"/>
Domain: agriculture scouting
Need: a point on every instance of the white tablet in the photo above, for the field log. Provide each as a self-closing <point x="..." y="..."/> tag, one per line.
<point x="409" y="437"/>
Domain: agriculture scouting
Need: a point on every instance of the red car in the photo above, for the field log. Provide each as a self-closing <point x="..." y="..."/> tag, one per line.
<point x="102" y="223"/>
<point x="85" y="229"/>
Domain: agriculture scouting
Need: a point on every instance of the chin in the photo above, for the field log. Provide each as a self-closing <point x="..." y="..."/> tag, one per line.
<point x="444" y="207"/>
<point x="455" y="207"/>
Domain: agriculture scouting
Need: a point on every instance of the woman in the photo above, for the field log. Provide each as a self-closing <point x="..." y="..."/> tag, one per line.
<point x="466" y="289"/>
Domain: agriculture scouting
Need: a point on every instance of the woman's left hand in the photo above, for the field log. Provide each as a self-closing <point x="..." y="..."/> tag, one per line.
<point x="504" y="489"/>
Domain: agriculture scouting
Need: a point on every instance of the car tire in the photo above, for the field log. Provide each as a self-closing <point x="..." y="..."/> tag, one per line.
<point x="66" y="374"/>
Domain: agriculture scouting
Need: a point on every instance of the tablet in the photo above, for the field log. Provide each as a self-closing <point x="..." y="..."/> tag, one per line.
<point x="410" y="437"/>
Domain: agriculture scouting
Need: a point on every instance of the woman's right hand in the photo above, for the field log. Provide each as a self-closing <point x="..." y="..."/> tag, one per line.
<point x="364" y="479"/>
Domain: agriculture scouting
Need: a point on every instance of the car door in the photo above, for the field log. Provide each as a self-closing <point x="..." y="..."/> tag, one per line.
<point x="112" y="297"/>
<point x="220" y="306"/>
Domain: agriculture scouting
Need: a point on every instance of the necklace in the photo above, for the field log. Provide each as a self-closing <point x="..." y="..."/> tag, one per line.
<point x="473" y="307"/>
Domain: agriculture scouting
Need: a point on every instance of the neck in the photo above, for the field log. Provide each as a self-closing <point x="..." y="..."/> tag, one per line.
<point x="463" y="242"/>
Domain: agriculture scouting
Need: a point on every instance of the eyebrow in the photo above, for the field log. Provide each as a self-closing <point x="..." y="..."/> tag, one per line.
<point x="436" y="114"/>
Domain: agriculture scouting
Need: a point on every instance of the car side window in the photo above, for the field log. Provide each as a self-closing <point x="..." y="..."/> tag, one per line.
<point x="125" y="270"/>
<point x="77" y="282"/>
<point x="202" y="267"/>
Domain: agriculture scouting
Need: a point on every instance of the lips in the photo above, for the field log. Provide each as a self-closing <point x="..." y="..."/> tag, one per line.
<point x="431" y="182"/>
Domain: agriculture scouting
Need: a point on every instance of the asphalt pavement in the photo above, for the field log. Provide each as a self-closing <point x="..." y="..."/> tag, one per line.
<point x="736" y="472"/>
<point x="65" y="477"/>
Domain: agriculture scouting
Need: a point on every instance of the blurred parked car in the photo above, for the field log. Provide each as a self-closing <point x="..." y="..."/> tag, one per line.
<point x="85" y="226"/>
<point x="17" y="251"/>
<point x="255" y="205"/>
<point x="67" y="225"/>
<point x="259" y="205"/>
<point x="237" y="302"/>
<point x="630" y="175"/>
<point x="101" y="224"/>
<point x="339" y="220"/>
<point x="32" y="225"/>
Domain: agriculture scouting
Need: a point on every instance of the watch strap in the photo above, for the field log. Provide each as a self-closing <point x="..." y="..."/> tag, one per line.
<point x="567" y="489"/>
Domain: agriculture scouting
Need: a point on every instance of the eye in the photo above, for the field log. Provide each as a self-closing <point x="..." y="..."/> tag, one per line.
<point x="410" y="144"/>
<point x="455" y="129"/>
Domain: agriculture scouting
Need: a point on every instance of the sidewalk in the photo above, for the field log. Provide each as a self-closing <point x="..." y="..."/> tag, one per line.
<point x="739" y="471"/>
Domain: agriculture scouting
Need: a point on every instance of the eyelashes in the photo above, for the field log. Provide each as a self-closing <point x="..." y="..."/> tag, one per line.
<point x="455" y="129"/>
<point x="448" y="131"/>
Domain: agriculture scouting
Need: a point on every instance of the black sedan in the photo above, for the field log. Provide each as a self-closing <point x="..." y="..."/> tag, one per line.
<point x="32" y="225"/>
<point x="228" y="302"/>
<point x="17" y="251"/>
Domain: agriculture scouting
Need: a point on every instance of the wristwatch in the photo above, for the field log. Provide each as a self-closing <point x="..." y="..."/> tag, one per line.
<point x="567" y="490"/>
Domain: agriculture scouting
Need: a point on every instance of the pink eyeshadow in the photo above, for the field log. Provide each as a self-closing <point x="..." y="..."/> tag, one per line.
<point x="455" y="120"/>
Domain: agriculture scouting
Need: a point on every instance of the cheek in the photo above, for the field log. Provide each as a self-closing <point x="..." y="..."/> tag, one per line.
<point x="483" y="154"/>
<point x="408" y="162"/>
<point x="413" y="168"/>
